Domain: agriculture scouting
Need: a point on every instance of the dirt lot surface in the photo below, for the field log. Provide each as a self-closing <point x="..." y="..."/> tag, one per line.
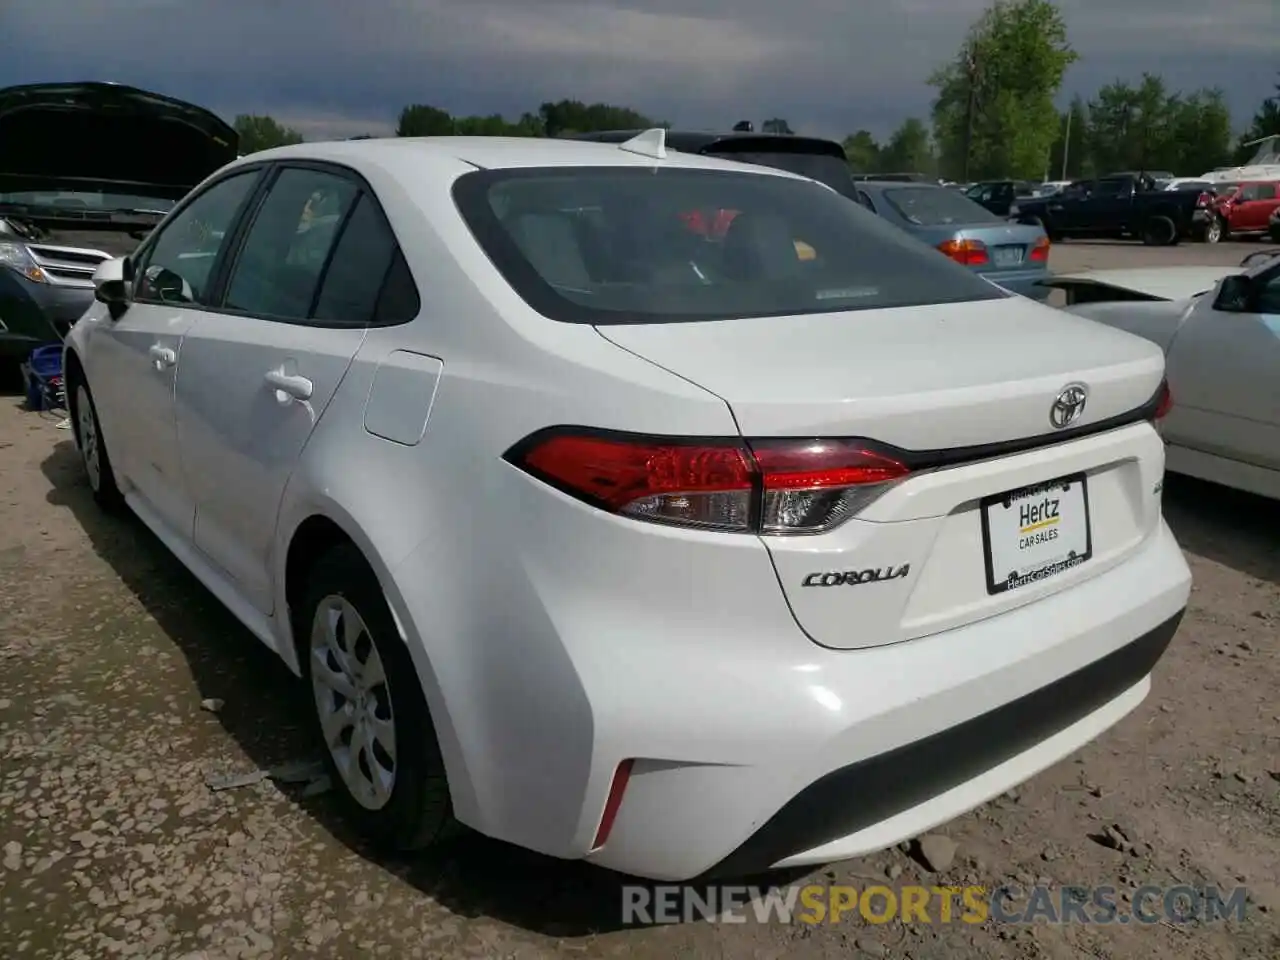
<point x="113" y="662"/>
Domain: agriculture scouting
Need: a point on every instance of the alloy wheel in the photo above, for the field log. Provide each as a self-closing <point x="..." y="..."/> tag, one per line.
<point x="90" y="450"/>
<point x="353" y="702"/>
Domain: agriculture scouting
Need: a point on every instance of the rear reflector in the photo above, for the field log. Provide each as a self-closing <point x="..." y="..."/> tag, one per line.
<point x="618" y="787"/>
<point x="1040" y="251"/>
<point x="971" y="253"/>
<point x="776" y="487"/>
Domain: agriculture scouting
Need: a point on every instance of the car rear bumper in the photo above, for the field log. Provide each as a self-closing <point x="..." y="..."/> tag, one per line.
<point x="1023" y="283"/>
<point x="753" y="748"/>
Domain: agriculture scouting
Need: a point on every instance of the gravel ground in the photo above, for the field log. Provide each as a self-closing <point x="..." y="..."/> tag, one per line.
<point x="124" y="687"/>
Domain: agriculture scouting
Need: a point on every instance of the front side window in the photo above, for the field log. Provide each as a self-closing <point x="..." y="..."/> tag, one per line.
<point x="176" y="267"/>
<point x="616" y="245"/>
<point x="285" y="251"/>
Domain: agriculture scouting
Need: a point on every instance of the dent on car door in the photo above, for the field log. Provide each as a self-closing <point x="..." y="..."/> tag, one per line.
<point x="135" y="357"/>
<point x="258" y="374"/>
<point x="1225" y="371"/>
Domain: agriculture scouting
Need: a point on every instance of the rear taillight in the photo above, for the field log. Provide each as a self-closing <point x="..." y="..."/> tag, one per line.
<point x="971" y="253"/>
<point x="1165" y="402"/>
<point x="1204" y="200"/>
<point x="1040" y="251"/>
<point x="775" y="487"/>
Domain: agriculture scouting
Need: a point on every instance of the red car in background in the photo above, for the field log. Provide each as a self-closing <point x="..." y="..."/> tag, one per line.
<point x="1245" y="212"/>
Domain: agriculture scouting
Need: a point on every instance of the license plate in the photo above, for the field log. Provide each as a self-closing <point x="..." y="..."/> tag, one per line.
<point x="1008" y="256"/>
<point x="1037" y="532"/>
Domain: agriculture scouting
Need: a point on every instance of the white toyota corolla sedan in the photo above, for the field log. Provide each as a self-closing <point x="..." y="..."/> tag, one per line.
<point x="669" y="513"/>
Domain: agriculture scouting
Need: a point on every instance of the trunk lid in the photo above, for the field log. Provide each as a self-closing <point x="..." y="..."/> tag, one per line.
<point x="965" y="391"/>
<point x="923" y="378"/>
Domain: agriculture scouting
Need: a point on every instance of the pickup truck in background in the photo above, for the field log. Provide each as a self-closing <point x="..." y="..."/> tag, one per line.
<point x="1245" y="213"/>
<point x="1000" y="196"/>
<point x="1123" y="206"/>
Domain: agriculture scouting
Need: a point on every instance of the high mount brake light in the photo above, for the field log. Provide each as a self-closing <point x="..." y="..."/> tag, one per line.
<point x="775" y="487"/>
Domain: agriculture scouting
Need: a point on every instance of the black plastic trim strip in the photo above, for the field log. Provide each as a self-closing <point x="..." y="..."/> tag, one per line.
<point x="855" y="797"/>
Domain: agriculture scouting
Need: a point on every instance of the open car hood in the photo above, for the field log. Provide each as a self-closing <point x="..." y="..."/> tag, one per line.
<point x="1152" y="283"/>
<point x="107" y="137"/>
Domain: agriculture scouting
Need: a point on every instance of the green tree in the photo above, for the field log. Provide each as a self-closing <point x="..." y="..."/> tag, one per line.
<point x="423" y="120"/>
<point x="262" y="133"/>
<point x="574" y="116"/>
<point x="1201" y="133"/>
<point x="1148" y="127"/>
<point x="908" y="150"/>
<point x="1131" y="127"/>
<point x="863" y="152"/>
<point x="994" y="114"/>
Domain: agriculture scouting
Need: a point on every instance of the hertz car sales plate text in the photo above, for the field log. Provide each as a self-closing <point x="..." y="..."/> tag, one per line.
<point x="1036" y="532"/>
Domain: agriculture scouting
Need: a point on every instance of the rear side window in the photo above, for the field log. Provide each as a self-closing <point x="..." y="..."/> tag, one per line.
<point x="287" y="248"/>
<point x="358" y="267"/>
<point x="398" y="300"/>
<point x="622" y="245"/>
<point x="936" y="207"/>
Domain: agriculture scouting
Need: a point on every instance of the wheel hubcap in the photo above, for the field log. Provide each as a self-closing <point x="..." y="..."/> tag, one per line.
<point x="353" y="702"/>
<point x="88" y="438"/>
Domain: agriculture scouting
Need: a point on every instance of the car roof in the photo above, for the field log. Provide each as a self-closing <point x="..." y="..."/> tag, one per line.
<point x="402" y="155"/>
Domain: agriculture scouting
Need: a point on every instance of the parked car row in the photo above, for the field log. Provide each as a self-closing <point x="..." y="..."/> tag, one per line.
<point x="631" y="503"/>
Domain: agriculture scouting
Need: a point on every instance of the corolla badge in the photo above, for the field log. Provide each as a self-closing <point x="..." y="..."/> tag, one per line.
<point x="1069" y="405"/>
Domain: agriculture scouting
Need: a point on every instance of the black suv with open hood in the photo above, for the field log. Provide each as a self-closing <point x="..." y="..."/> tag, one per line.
<point x="86" y="171"/>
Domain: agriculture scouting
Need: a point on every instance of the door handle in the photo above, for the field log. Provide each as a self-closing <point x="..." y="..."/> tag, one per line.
<point x="289" y="386"/>
<point x="162" y="356"/>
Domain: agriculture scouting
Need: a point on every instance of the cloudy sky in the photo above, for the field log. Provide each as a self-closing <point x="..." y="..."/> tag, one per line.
<point x="342" y="67"/>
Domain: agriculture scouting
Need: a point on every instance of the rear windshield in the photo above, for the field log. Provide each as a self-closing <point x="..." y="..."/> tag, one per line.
<point x="628" y="245"/>
<point x="936" y="207"/>
<point x="825" y="168"/>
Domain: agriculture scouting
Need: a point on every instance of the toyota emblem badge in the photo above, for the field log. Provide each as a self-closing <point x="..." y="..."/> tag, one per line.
<point x="1069" y="405"/>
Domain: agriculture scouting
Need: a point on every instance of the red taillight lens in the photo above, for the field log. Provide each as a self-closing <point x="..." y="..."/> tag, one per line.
<point x="971" y="253"/>
<point x="1204" y="200"/>
<point x="1040" y="250"/>
<point x="1165" y="403"/>
<point x="667" y="481"/>
<point x="776" y="487"/>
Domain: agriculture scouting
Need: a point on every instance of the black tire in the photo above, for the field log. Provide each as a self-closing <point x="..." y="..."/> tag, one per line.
<point x="1217" y="231"/>
<point x="418" y="813"/>
<point x="1159" y="231"/>
<point x="93" y="449"/>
